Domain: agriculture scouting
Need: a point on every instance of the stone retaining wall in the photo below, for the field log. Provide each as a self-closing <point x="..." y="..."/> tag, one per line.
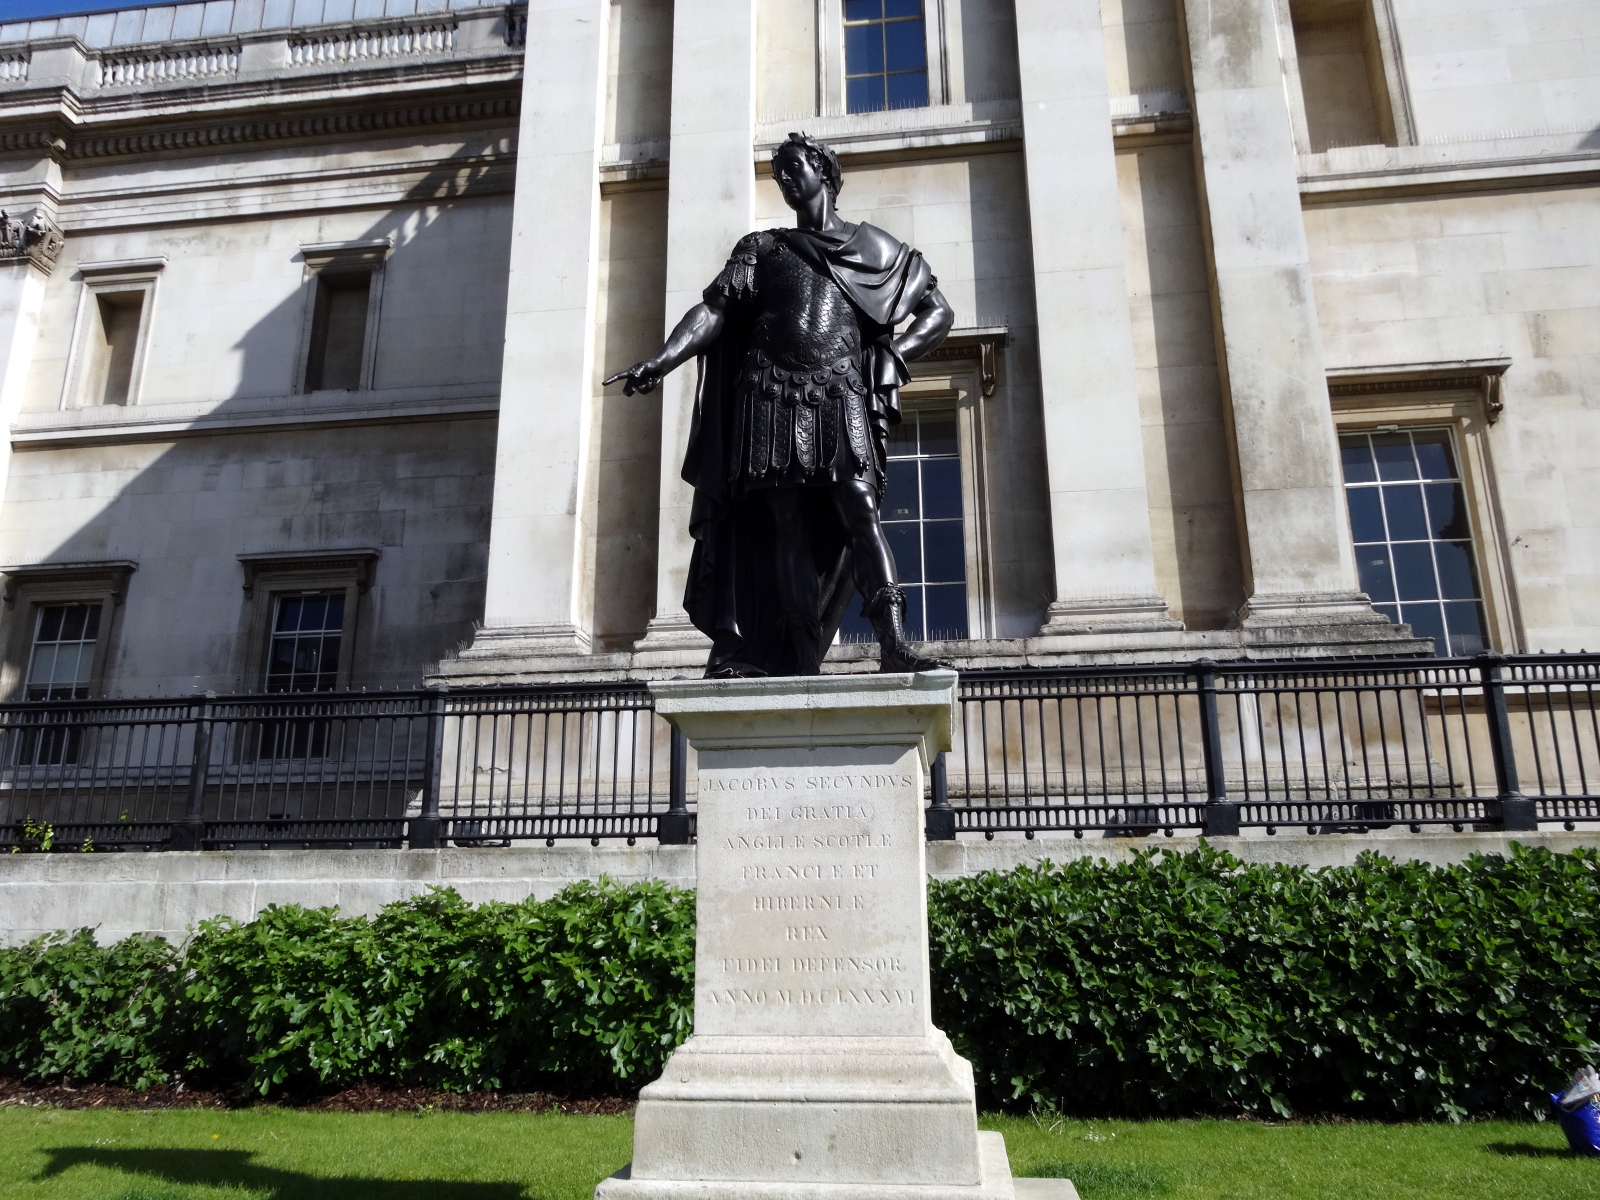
<point x="167" y="893"/>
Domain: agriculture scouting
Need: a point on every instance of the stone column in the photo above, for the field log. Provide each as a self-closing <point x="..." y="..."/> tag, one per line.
<point x="710" y="205"/>
<point x="1094" y="443"/>
<point x="536" y="599"/>
<point x="1300" y="563"/>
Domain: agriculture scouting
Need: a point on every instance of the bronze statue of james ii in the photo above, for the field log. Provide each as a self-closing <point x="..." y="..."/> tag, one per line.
<point x="800" y="371"/>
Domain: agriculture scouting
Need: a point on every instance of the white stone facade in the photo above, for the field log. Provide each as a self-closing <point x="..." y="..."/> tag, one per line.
<point x="1188" y="242"/>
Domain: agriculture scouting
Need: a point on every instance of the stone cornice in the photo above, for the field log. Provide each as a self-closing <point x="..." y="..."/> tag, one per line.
<point x="166" y="422"/>
<point x="433" y="179"/>
<point x="1377" y="383"/>
<point x="1484" y="164"/>
<point x="199" y="95"/>
<point x="67" y="141"/>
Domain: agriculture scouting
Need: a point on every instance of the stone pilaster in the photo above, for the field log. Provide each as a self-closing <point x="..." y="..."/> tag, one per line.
<point x="1299" y="560"/>
<point x="1099" y="510"/>
<point x="536" y="600"/>
<point x="710" y="206"/>
<point x="28" y="251"/>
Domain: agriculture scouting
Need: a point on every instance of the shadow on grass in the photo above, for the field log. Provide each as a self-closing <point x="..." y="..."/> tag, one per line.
<point x="233" y="1168"/>
<point x="1524" y="1150"/>
<point x="1105" y="1181"/>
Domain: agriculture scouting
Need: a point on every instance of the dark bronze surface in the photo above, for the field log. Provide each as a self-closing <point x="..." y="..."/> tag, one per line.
<point x="800" y="369"/>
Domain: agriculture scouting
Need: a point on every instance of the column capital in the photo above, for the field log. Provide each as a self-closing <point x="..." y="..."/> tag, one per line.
<point x="36" y="241"/>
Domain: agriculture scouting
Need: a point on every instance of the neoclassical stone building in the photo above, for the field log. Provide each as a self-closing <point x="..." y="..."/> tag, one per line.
<point x="1278" y="326"/>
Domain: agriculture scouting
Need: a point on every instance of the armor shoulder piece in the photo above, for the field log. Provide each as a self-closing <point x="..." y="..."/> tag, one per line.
<point x="752" y="246"/>
<point x="738" y="279"/>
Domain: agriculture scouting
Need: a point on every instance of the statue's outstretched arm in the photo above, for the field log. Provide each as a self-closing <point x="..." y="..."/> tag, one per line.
<point x="700" y="327"/>
<point x="930" y="322"/>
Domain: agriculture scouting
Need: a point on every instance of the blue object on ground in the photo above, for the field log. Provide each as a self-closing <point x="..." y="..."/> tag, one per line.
<point x="1582" y="1126"/>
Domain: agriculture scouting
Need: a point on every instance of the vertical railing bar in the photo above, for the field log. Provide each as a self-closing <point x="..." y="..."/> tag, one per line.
<point x="1300" y="734"/>
<point x="1083" y="747"/>
<point x="1138" y="734"/>
<point x="1322" y="737"/>
<point x="1594" y="720"/>
<point x="983" y="730"/>
<point x="1022" y="749"/>
<point x="1221" y="813"/>
<point x="1555" y="738"/>
<point x="1533" y="736"/>
<point x="1361" y="735"/>
<point x="561" y="764"/>
<point x="190" y="833"/>
<point x="1283" y="689"/>
<point x="1405" y="741"/>
<point x="1516" y="812"/>
<point x="425" y="831"/>
<point x="1449" y="752"/>
<point x="1161" y="750"/>
<point x="616" y="752"/>
<point x="548" y="716"/>
<point x="1577" y="740"/>
<point x="673" y="826"/>
<point x="1383" y="743"/>
<point x="1100" y="746"/>
<point x="1005" y="754"/>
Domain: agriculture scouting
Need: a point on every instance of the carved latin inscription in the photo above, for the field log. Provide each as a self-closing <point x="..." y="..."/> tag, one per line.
<point x="814" y="897"/>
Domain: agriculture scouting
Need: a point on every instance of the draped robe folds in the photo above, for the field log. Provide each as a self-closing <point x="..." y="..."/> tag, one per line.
<point x="732" y="594"/>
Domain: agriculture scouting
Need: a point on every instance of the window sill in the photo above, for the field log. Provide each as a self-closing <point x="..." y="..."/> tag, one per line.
<point x="162" y="422"/>
<point x="1357" y="172"/>
<point x="854" y="134"/>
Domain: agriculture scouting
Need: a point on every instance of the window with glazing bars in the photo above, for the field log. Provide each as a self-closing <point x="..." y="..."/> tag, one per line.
<point x="922" y="518"/>
<point x="60" y="667"/>
<point x="885" y="55"/>
<point x="1413" y="537"/>
<point x="61" y="663"/>
<point x="307" y="630"/>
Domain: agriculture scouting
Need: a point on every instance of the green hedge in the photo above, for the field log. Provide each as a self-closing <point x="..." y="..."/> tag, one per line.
<point x="1171" y="983"/>
<point x="1177" y="983"/>
<point x="593" y="988"/>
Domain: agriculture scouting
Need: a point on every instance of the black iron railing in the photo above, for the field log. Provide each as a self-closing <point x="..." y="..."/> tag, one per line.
<point x="424" y="768"/>
<point x="1487" y="742"/>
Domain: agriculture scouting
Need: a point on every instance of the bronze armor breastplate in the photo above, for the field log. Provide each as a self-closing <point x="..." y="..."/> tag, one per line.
<point x="804" y="319"/>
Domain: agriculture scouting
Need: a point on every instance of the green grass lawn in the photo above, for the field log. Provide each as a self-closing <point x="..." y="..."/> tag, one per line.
<point x="280" y="1154"/>
<point x="1240" y="1160"/>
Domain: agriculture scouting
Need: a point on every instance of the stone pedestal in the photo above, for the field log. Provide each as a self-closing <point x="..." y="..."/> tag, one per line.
<point x="815" y="1070"/>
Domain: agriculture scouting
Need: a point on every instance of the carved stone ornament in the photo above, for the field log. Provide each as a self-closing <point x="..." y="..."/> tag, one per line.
<point x="37" y="241"/>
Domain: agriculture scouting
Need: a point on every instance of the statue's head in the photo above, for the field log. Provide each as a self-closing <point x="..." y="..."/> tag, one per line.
<point x="811" y="164"/>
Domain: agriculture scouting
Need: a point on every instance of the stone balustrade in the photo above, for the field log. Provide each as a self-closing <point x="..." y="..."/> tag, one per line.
<point x="182" y="64"/>
<point x="227" y="40"/>
<point x="358" y="45"/>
